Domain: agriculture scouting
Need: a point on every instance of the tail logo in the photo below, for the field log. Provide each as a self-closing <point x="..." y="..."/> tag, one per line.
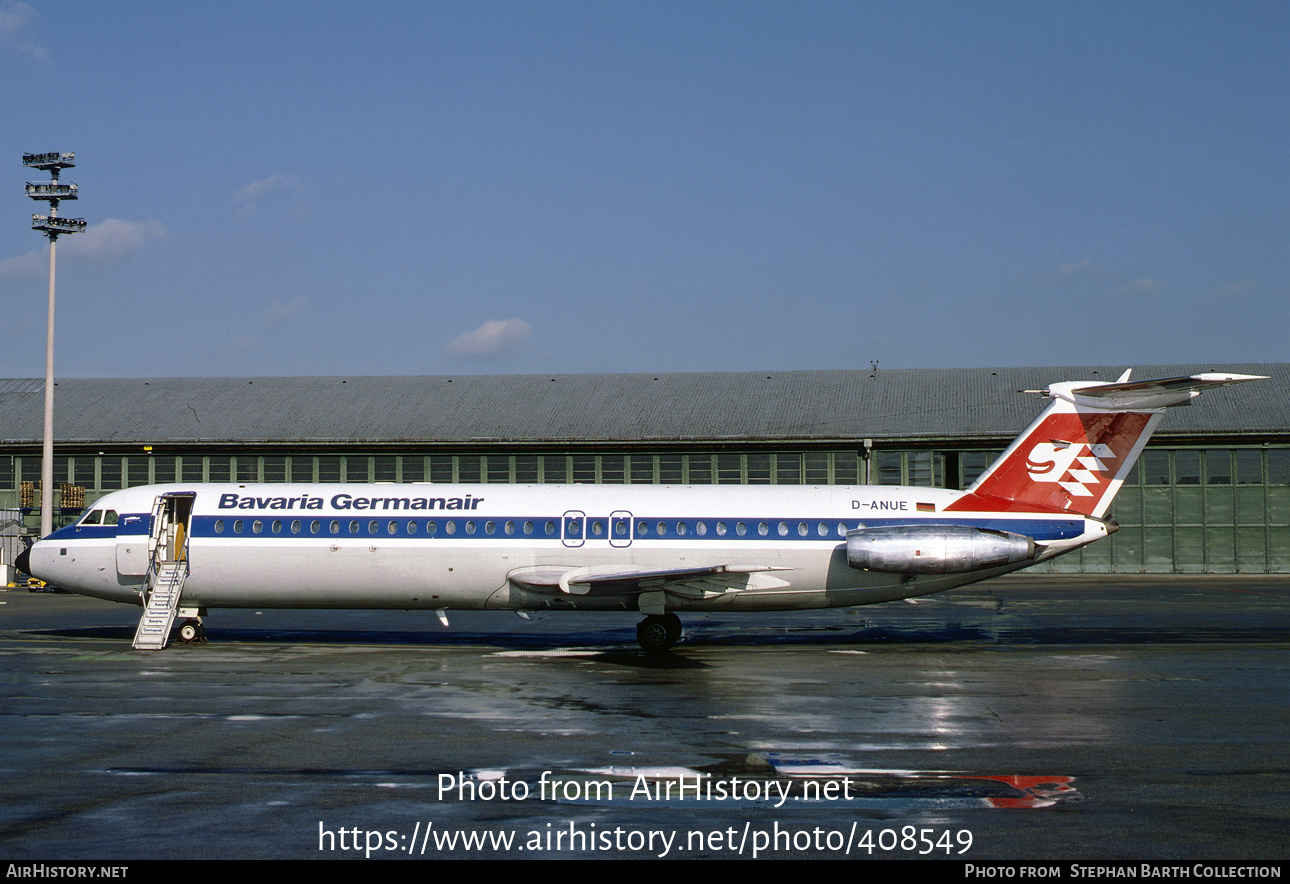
<point x="1072" y="465"/>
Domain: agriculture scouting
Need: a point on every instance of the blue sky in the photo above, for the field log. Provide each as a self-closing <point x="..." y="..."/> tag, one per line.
<point x="297" y="188"/>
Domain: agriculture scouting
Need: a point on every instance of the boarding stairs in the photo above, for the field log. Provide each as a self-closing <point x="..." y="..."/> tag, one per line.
<point x="162" y="587"/>
<point x="165" y="585"/>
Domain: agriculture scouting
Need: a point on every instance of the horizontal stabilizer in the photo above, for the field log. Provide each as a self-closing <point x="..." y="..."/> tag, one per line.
<point x="1140" y="395"/>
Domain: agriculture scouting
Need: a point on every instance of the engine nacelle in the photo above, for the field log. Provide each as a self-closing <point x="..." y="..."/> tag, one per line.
<point x="935" y="549"/>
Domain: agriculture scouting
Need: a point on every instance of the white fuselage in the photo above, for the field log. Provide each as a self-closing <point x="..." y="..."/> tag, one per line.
<point x="470" y="546"/>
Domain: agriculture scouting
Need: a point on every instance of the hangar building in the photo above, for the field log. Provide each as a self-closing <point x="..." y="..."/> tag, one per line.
<point x="1210" y="494"/>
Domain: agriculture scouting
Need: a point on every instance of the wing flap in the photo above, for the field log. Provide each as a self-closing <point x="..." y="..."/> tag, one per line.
<point x="692" y="583"/>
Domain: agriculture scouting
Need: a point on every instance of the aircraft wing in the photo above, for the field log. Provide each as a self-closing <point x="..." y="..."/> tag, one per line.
<point x="694" y="583"/>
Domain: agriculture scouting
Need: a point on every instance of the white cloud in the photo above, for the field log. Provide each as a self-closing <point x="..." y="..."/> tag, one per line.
<point x="1066" y="271"/>
<point x="15" y="18"/>
<point x="108" y="240"/>
<point x="279" y="311"/>
<point x="247" y="196"/>
<point x="491" y="338"/>
<point x="1140" y="287"/>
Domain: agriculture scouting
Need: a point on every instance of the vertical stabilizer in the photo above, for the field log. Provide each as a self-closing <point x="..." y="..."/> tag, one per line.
<point x="1075" y="456"/>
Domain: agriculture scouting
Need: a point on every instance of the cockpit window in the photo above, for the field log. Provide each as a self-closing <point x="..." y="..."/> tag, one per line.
<point x="109" y="517"/>
<point x="94" y="518"/>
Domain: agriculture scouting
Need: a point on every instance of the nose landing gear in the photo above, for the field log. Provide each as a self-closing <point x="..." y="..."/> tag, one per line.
<point x="192" y="631"/>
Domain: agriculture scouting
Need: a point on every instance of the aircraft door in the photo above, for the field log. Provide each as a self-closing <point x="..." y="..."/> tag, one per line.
<point x="574" y="528"/>
<point x="620" y="528"/>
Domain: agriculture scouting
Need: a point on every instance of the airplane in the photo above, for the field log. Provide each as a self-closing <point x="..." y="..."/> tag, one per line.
<point x="181" y="550"/>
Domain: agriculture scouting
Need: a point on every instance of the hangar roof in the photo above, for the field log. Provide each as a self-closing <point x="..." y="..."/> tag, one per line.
<point x="980" y="404"/>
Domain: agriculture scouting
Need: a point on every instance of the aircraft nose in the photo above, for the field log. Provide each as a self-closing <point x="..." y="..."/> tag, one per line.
<point x="23" y="561"/>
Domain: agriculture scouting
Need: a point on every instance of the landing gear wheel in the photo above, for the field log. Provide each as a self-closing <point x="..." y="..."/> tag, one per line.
<point x="658" y="632"/>
<point x="191" y="631"/>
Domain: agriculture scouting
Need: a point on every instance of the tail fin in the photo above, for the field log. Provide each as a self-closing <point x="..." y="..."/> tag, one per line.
<point x="1075" y="456"/>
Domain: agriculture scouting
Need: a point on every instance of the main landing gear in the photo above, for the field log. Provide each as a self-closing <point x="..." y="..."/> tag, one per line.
<point x="658" y="632"/>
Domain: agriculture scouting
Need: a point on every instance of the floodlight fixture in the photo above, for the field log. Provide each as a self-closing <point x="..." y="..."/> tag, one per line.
<point x="51" y="191"/>
<point x="52" y="225"/>
<point x="49" y="162"/>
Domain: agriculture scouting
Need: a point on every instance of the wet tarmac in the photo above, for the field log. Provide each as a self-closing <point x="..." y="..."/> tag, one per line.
<point x="1028" y="718"/>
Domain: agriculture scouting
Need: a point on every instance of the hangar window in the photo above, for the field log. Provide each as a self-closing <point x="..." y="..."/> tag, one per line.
<point x="815" y="466"/>
<point x="470" y="469"/>
<point x="788" y="469"/>
<point x="1279" y="466"/>
<point x="1187" y="467"/>
<point x="248" y="468"/>
<point x="413" y="468"/>
<point x="163" y="470"/>
<point x="640" y="469"/>
<point x="698" y="469"/>
<point x="729" y="469"/>
<point x="82" y="473"/>
<point x="385" y="468"/>
<point x="328" y="468"/>
<point x="526" y="469"/>
<point x="1218" y="467"/>
<point x="137" y="471"/>
<point x="302" y="468"/>
<point x="612" y="469"/>
<point x="670" y="469"/>
<point x="758" y="468"/>
<point x="584" y="469"/>
<point x="441" y="468"/>
<point x="275" y="468"/>
<point x="109" y="472"/>
<point x="1249" y="466"/>
<point x="554" y="469"/>
<point x="498" y="468"/>
<point x="357" y="469"/>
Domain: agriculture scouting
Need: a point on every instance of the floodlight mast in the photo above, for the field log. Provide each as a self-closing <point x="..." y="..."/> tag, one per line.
<point x="51" y="225"/>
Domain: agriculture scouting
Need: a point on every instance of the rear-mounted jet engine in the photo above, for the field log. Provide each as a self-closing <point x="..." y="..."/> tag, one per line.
<point x="936" y="549"/>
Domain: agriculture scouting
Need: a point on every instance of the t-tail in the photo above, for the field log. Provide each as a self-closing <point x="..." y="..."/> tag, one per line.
<point x="1075" y="456"/>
